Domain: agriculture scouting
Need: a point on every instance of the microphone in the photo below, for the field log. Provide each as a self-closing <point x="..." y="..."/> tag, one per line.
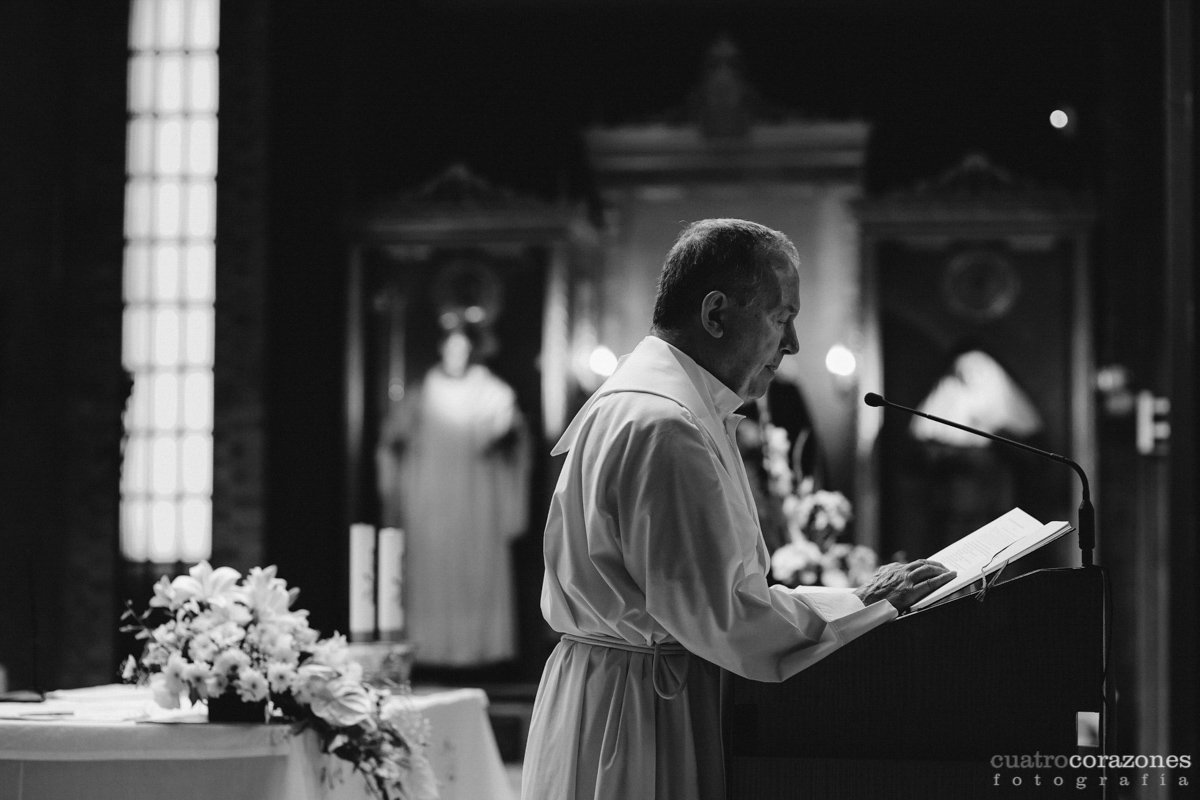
<point x="1087" y="514"/>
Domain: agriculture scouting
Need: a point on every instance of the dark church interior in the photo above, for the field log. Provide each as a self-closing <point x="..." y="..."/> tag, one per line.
<point x="1004" y="187"/>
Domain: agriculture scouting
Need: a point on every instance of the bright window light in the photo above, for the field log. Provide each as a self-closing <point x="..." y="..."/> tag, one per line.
<point x="170" y="275"/>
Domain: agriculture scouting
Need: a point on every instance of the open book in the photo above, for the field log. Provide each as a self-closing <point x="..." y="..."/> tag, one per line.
<point x="1001" y="541"/>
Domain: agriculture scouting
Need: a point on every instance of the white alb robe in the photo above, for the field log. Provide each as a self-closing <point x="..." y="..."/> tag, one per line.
<point x="652" y="537"/>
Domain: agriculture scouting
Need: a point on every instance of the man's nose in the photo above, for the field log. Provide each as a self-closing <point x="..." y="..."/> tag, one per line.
<point x="791" y="342"/>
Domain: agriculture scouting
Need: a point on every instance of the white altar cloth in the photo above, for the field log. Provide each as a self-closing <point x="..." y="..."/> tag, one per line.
<point x="113" y="743"/>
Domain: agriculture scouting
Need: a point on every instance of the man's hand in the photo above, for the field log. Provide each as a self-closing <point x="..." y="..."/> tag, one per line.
<point x="904" y="584"/>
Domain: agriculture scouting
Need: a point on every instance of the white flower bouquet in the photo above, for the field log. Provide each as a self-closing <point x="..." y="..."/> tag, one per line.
<point x="213" y="636"/>
<point x="816" y="519"/>
<point x="814" y="556"/>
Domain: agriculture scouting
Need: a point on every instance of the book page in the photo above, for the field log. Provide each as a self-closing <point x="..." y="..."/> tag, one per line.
<point x="971" y="553"/>
<point x="987" y="549"/>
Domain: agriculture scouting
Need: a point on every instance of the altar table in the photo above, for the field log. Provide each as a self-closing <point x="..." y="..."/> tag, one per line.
<point x="113" y="743"/>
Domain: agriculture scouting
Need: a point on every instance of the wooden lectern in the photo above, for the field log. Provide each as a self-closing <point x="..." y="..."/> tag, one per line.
<point x="918" y="708"/>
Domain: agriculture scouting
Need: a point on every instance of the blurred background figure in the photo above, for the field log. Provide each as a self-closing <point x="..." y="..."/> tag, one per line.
<point x="453" y="465"/>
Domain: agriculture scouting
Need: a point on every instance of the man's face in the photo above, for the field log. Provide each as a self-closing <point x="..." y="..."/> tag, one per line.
<point x="762" y="332"/>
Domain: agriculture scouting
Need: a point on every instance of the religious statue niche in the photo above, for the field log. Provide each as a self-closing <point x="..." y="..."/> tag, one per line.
<point x="976" y="308"/>
<point x="457" y="338"/>
<point x="452" y="470"/>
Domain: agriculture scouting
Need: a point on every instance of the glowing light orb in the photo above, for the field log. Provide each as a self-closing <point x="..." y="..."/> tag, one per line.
<point x="840" y="361"/>
<point x="602" y="361"/>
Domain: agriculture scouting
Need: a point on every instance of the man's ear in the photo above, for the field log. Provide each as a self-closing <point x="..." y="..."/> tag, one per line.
<point x="712" y="313"/>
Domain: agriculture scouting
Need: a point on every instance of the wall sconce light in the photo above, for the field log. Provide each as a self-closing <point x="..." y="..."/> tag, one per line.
<point x="602" y="361"/>
<point x="842" y="365"/>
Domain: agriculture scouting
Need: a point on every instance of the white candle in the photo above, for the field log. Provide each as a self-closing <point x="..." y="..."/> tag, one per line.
<point x="362" y="582"/>
<point x="390" y="597"/>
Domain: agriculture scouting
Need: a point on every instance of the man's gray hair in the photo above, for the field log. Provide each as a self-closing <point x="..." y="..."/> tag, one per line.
<point x="726" y="255"/>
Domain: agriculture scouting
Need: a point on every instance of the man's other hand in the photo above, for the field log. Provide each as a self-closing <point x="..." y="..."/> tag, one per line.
<point x="904" y="584"/>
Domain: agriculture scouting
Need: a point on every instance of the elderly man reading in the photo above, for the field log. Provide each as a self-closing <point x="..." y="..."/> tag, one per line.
<point x="655" y="565"/>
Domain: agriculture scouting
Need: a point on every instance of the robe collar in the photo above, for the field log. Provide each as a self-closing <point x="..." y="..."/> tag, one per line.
<point x="657" y="367"/>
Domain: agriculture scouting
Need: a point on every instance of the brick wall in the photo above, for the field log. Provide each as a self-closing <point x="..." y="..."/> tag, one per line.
<point x="239" y="413"/>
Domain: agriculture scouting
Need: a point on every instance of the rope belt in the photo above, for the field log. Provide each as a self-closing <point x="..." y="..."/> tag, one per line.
<point x="658" y="649"/>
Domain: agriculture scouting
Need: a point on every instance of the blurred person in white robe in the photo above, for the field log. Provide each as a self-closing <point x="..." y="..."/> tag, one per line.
<point x="453" y="467"/>
<point x="656" y="570"/>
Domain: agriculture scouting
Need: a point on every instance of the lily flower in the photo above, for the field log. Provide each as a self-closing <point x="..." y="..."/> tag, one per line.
<point x="164" y="594"/>
<point x="265" y="594"/>
<point x="205" y="584"/>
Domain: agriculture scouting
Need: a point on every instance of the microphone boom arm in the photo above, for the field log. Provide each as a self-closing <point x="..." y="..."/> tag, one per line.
<point x="1087" y="513"/>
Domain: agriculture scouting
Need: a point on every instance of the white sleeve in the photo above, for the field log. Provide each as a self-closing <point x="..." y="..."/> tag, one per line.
<point x="691" y="543"/>
<point x="831" y="603"/>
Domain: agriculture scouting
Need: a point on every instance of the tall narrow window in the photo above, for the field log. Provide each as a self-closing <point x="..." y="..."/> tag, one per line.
<point x="169" y="274"/>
